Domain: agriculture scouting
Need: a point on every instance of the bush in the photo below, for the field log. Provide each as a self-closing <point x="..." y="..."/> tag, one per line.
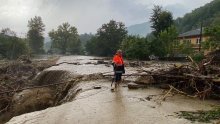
<point x="198" y="57"/>
<point x="12" y="47"/>
<point x="135" y="48"/>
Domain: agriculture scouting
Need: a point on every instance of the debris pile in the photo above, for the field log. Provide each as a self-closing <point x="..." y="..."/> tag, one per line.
<point x="17" y="76"/>
<point x="24" y="87"/>
<point x="194" y="80"/>
<point x="216" y="57"/>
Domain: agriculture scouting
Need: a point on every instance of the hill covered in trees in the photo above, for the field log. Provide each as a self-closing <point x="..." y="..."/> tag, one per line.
<point x="140" y="29"/>
<point x="208" y="14"/>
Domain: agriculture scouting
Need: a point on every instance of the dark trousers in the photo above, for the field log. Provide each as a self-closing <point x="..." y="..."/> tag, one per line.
<point x="118" y="77"/>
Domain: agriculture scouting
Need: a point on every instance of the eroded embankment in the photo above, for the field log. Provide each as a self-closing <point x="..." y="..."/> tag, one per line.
<point x="126" y="106"/>
<point x="49" y="88"/>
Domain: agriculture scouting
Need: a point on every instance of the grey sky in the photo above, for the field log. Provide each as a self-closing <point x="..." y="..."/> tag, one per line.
<point x="86" y="15"/>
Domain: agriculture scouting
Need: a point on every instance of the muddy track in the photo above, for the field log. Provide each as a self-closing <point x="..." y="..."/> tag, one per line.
<point x="74" y="98"/>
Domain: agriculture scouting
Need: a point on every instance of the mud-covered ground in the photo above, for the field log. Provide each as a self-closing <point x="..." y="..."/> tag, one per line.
<point x="81" y="100"/>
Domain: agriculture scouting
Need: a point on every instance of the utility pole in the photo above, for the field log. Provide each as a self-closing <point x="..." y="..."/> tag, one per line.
<point x="200" y="39"/>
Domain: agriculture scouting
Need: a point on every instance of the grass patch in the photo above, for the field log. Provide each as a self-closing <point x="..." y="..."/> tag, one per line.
<point x="201" y="116"/>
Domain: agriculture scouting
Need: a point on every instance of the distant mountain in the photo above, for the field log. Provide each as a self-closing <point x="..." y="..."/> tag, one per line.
<point x="140" y="29"/>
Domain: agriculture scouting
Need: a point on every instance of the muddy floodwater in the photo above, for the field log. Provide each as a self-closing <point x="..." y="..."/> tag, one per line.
<point x="125" y="106"/>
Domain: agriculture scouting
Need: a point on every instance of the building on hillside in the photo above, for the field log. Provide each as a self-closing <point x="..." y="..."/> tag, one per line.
<point x="193" y="37"/>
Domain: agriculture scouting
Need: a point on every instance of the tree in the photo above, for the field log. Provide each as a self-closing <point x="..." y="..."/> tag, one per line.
<point x="8" y="32"/>
<point x="168" y="39"/>
<point x="186" y="48"/>
<point x="12" y="47"/>
<point x="109" y="38"/>
<point x="84" y="38"/>
<point x="163" y="32"/>
<point x="157" y="48"/>
<point x="160" y="20"/>
<point x="91" y="46"/>
<point x="213" y="42"/>
<point x="66" y="39"/>
<point x="35" y="34"/>
<point x="135" y="47"/>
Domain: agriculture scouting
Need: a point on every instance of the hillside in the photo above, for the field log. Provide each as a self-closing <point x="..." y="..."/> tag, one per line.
<point x="209" y="14"/>
<point x="140" y="29"/>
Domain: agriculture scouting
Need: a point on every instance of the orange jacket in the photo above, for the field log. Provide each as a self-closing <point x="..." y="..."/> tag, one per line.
<point x="118" y="60"/>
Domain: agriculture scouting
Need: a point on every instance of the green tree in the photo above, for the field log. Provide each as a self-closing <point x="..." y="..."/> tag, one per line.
<point x="164" y="34"/>
<point x="186" y="48"/>
<point x="35" y="34"/>
<point x="135" y="47"/>
<point x="160" y="20"/>
<point x="66" y="39"/>
<point x="157" y="48"/>
<point x="168" y="39"/>
<point x="84" y="38"/>
<point x="213" y="42"/>
<point x="109" y="38"/>
<point x="91" y="46"/>
<point x="12" y="47"/>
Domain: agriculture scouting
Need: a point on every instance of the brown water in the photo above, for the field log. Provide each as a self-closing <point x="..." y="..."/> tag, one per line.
<point x="103" y="106"/>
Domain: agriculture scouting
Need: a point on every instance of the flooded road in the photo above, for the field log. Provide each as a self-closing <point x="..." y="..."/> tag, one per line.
<point x="100" y="106"/>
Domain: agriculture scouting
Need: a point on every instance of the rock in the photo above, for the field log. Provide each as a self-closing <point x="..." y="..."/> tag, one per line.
<point x="164" y="86"/>
<point x="102" y="62"/>
<point x="145" y="80"/>
<point x="136" y="86"/>
<point x="107" y="65"/>
<point x="148" y="98"/>
<point x="97" y="87"/>
<point x="133" y="86"/>
<point x="88" y="63"/>
<point x="133" y="64"/>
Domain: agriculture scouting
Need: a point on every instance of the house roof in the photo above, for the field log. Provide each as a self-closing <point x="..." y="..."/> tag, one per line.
<point x="195" y="32"/>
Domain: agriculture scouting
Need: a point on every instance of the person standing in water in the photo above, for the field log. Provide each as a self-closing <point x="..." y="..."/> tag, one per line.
<point x="118" y="65"/>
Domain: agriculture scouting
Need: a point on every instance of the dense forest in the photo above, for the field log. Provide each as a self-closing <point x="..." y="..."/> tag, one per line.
<point x="208" y="14"/>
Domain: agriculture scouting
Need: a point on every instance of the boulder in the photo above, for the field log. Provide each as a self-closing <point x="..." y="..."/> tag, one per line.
<point x="145" y="80"/>
<point x="102" y="62"/>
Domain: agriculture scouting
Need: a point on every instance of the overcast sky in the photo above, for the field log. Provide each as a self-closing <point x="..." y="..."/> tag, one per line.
<point x="86" y="15"/>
